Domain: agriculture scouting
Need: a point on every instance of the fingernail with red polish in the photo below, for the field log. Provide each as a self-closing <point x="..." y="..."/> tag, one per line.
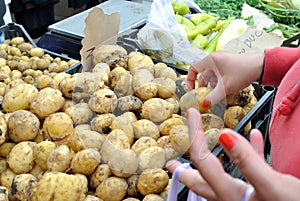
<point x="227" y="140"/>
<point x="205" y="105"/>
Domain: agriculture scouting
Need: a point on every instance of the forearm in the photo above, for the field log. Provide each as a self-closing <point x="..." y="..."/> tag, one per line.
<point x="277" y="63"/>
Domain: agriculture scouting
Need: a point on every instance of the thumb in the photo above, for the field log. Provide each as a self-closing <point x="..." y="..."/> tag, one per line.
<point x="247" y="159"/>
<point x="216" y="95"/>
<point x="257" y="141"/>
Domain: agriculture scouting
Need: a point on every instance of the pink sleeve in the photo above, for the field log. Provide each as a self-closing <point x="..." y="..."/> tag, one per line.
<point x="277" y="63"/>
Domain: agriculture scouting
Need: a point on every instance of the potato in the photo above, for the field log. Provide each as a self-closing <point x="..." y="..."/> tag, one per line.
<point x="251" y="104"/>
<point x="157" y="110"/>
<point x="19" y="97"/>
<point x="129" y="115"/>
<point x="92" y="198"/>
<point x="14" y="51"/>
<point x="152" y="197"/>
<point x="36" y="52"/>
<point x="103" y="101"/>
<point x="143" y="85"/>
<point x="59" y="159"/>
<point x="3" y="130"/>
<point x="212" y="137"/>
<point x="102" y="122"/>
<point x="60" y="67"/>
<point x="68" y="103"/>
<point x="158" y="68"/>
<point x="5" y="69"/>
<point x="23" y="125"/>
<point x="166" y="87"/>
<point x="59" y="77"/>
<point x="131" y="199"/>
<point x="168" y="73"/>
<point x="58" y="126"/>
<point x="88" y="139"/>
<point x="16" y="40"/>
<point x="21" y="157"/>
<point x="22" y="187"/>
<point x="43" y="150"/>
<point x="46" y="102"/>
<point x="44" y="81"/>
<point x="166" y="191"/>
<point x="210" y="120"/>
<point x="61" y="186"/>
<point x="3" y="193"/>
<point x="81" y="85"/>
<point x="112" y="189"/>
<point x="80" y="113"/>
<point x="152" y="157"/>
<point x="143" y="143"/>
<point x="6" y="178"/>
<point x="123" y="123"/>
<point x="174" y="103"/>
<point x="123" y="163"/>
<point x="115" y="140"/>
<point x="5" y="148"/>
<point x="85" y="161"/>
<point x="108" y="54"/>
<point x="3" y="165"/>
<point x="124" y="86"/>
<point x="114" y="75"/>
<point x="166" y="126"/>
<point x="165" y="143"/>
<point x="179" y="138"/>
<point x="145" y="127"/>
<point x="40" y="136"/>
<point x="242" y="98"/>
<point x="36" y="171"/>
<point x="194" y="98"/>
<point x="13" y="84"/>
<point x="152" y="181"/>
<point x="129" y="103"/>
<point x="101" y="173"/>
<point x="233" y="115"/>
<point x="4" y="46"/>
<point x="138" y="60"/>
<point x="25" y="47"/>
<point x="132" y="182"/>
<point x="15" y="74"/>
<point x="103" y="70"/>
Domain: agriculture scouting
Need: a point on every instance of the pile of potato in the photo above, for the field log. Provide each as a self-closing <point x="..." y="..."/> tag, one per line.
<point x="99" y="135"/>
<point x="21" y="60"/>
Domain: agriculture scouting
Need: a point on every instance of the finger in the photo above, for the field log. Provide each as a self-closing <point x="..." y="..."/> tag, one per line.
<point x="216" y="95"/>
<point x="208" y="165"/>
<point x="192" y="180"/>
<point x="246" y="158"/>
<point x="205" y="78"/>
<point x="257" y="142"/>
<point x="191" y="77"/>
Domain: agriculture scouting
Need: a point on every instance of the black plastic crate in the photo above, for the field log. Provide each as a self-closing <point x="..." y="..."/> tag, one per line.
<point x="12" y="30"/>
<point x="292" y="42"/>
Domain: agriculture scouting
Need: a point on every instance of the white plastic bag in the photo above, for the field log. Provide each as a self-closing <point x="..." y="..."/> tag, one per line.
<point x="166" y="39"/>
<point x="174" y="185"/>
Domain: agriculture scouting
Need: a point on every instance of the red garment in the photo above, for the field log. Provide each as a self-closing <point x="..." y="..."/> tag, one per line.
<point x="282" y="68"/>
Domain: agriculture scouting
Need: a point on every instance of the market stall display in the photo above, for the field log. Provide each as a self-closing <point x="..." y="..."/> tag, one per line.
<point x="101" y="135"/>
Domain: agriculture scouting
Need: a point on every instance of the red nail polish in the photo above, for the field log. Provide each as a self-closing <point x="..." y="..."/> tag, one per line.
<point x="205" y="105"/>
<point x="227" y="140"/>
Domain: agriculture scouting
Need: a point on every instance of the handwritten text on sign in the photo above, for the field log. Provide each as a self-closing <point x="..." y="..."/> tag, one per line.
<point x="253" y="41"/>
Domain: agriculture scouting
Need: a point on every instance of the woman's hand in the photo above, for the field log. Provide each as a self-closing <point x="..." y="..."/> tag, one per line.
<point x="211" y="181"/>
<point x="226" y="72"/>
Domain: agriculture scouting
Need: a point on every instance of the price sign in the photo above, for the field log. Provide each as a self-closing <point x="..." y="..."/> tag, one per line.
<point x="253" y="41"/>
